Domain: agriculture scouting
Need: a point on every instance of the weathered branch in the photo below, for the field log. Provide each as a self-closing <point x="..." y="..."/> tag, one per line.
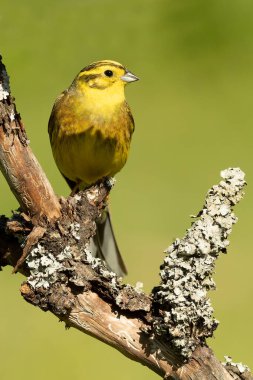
<point x="187" y="270"/>
<point x="18" y="164"/>
<point x="165" y="330"/>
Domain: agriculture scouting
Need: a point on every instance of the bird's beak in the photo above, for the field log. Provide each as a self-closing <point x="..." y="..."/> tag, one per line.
<point x="129" y="77"/>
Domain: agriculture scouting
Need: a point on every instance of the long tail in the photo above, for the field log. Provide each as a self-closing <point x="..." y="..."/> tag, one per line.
<point x="104" y="246"/>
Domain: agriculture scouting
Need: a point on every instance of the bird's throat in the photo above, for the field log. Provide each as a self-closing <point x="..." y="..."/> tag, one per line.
<point x="103" y="102"/>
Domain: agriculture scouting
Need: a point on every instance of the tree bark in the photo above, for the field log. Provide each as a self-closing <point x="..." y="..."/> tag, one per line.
<point x="18" y="164"/>
<point x="165" y="330"/>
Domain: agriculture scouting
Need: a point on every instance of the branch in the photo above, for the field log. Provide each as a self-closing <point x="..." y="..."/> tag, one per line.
<point x="165" y="330"/>
<point x="186" y="274"/>
<point x="18" y="164"/>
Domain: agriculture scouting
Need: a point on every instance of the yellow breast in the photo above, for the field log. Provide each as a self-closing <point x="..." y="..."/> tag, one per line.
<point x="90" y="134"/>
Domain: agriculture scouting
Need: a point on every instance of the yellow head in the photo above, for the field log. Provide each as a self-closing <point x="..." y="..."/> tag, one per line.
<point x="103" y="75"/>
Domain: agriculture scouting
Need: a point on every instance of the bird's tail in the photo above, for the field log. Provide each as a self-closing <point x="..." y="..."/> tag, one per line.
<point x="104" y="245"/>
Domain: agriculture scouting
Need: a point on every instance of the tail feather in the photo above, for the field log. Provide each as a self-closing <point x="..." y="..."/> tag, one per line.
<point x="104" y="246"/>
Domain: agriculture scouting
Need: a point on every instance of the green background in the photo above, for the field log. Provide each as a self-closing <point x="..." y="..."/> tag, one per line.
<point x="193" y="112"/>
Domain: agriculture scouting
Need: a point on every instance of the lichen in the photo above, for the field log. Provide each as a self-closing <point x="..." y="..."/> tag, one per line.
<point x="4" y="85"/>
<point x="99" y="266"/>
<point x="44" y="266"/>
<point x="12" y="116"/>
<point x="239" y="366"/>
<point x="186" y="274"/>
<point x="74" y="230"/>
<point x="3" y="93"/>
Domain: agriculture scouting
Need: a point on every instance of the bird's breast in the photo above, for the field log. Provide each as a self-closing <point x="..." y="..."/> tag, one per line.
<point x="91" y="145"/>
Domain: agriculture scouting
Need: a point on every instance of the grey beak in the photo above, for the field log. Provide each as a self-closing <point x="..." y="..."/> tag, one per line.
<point x="129" y="77"/>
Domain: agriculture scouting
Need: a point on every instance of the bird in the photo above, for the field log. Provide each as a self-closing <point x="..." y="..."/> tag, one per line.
<point x="90" y="130"/>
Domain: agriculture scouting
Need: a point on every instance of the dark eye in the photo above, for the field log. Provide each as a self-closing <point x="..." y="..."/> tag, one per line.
<point x="108" y="73"/>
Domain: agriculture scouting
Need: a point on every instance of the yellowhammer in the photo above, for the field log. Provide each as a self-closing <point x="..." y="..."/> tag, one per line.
<point x="90" y="131"/>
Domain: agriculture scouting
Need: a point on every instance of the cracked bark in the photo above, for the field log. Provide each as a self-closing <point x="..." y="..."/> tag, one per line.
<point x="64" y="279"/>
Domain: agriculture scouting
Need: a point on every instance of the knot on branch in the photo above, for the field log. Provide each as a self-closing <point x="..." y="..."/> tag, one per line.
<point x="186" y="274"/>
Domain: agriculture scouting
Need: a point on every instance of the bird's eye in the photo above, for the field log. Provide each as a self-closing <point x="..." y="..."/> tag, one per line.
<point x="108" y="73"/>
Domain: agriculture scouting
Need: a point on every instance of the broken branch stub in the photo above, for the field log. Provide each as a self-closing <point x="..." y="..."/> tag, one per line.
<point x="186" y="274"/>
<point x="18" y="164"/>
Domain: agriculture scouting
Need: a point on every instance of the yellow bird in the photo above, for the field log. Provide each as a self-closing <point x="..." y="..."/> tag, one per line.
<point x="90" y="131"/>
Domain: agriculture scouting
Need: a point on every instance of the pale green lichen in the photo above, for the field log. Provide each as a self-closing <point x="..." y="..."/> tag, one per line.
<point x="186" y="274"/>
<point x="44" y="266"/>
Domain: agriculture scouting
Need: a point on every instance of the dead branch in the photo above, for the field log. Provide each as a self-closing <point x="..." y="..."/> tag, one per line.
<point x="165" y="330"/>
<point x="18" y="164"/>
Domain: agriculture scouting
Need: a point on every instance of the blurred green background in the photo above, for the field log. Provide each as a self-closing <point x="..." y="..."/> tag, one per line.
<point x="194" y="115"/>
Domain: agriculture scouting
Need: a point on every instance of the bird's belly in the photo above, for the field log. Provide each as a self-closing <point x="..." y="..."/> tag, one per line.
<point x="91" y="155"/>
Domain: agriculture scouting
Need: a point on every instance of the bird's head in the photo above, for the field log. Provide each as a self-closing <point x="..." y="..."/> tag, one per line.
<point x="103" y="75"/>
